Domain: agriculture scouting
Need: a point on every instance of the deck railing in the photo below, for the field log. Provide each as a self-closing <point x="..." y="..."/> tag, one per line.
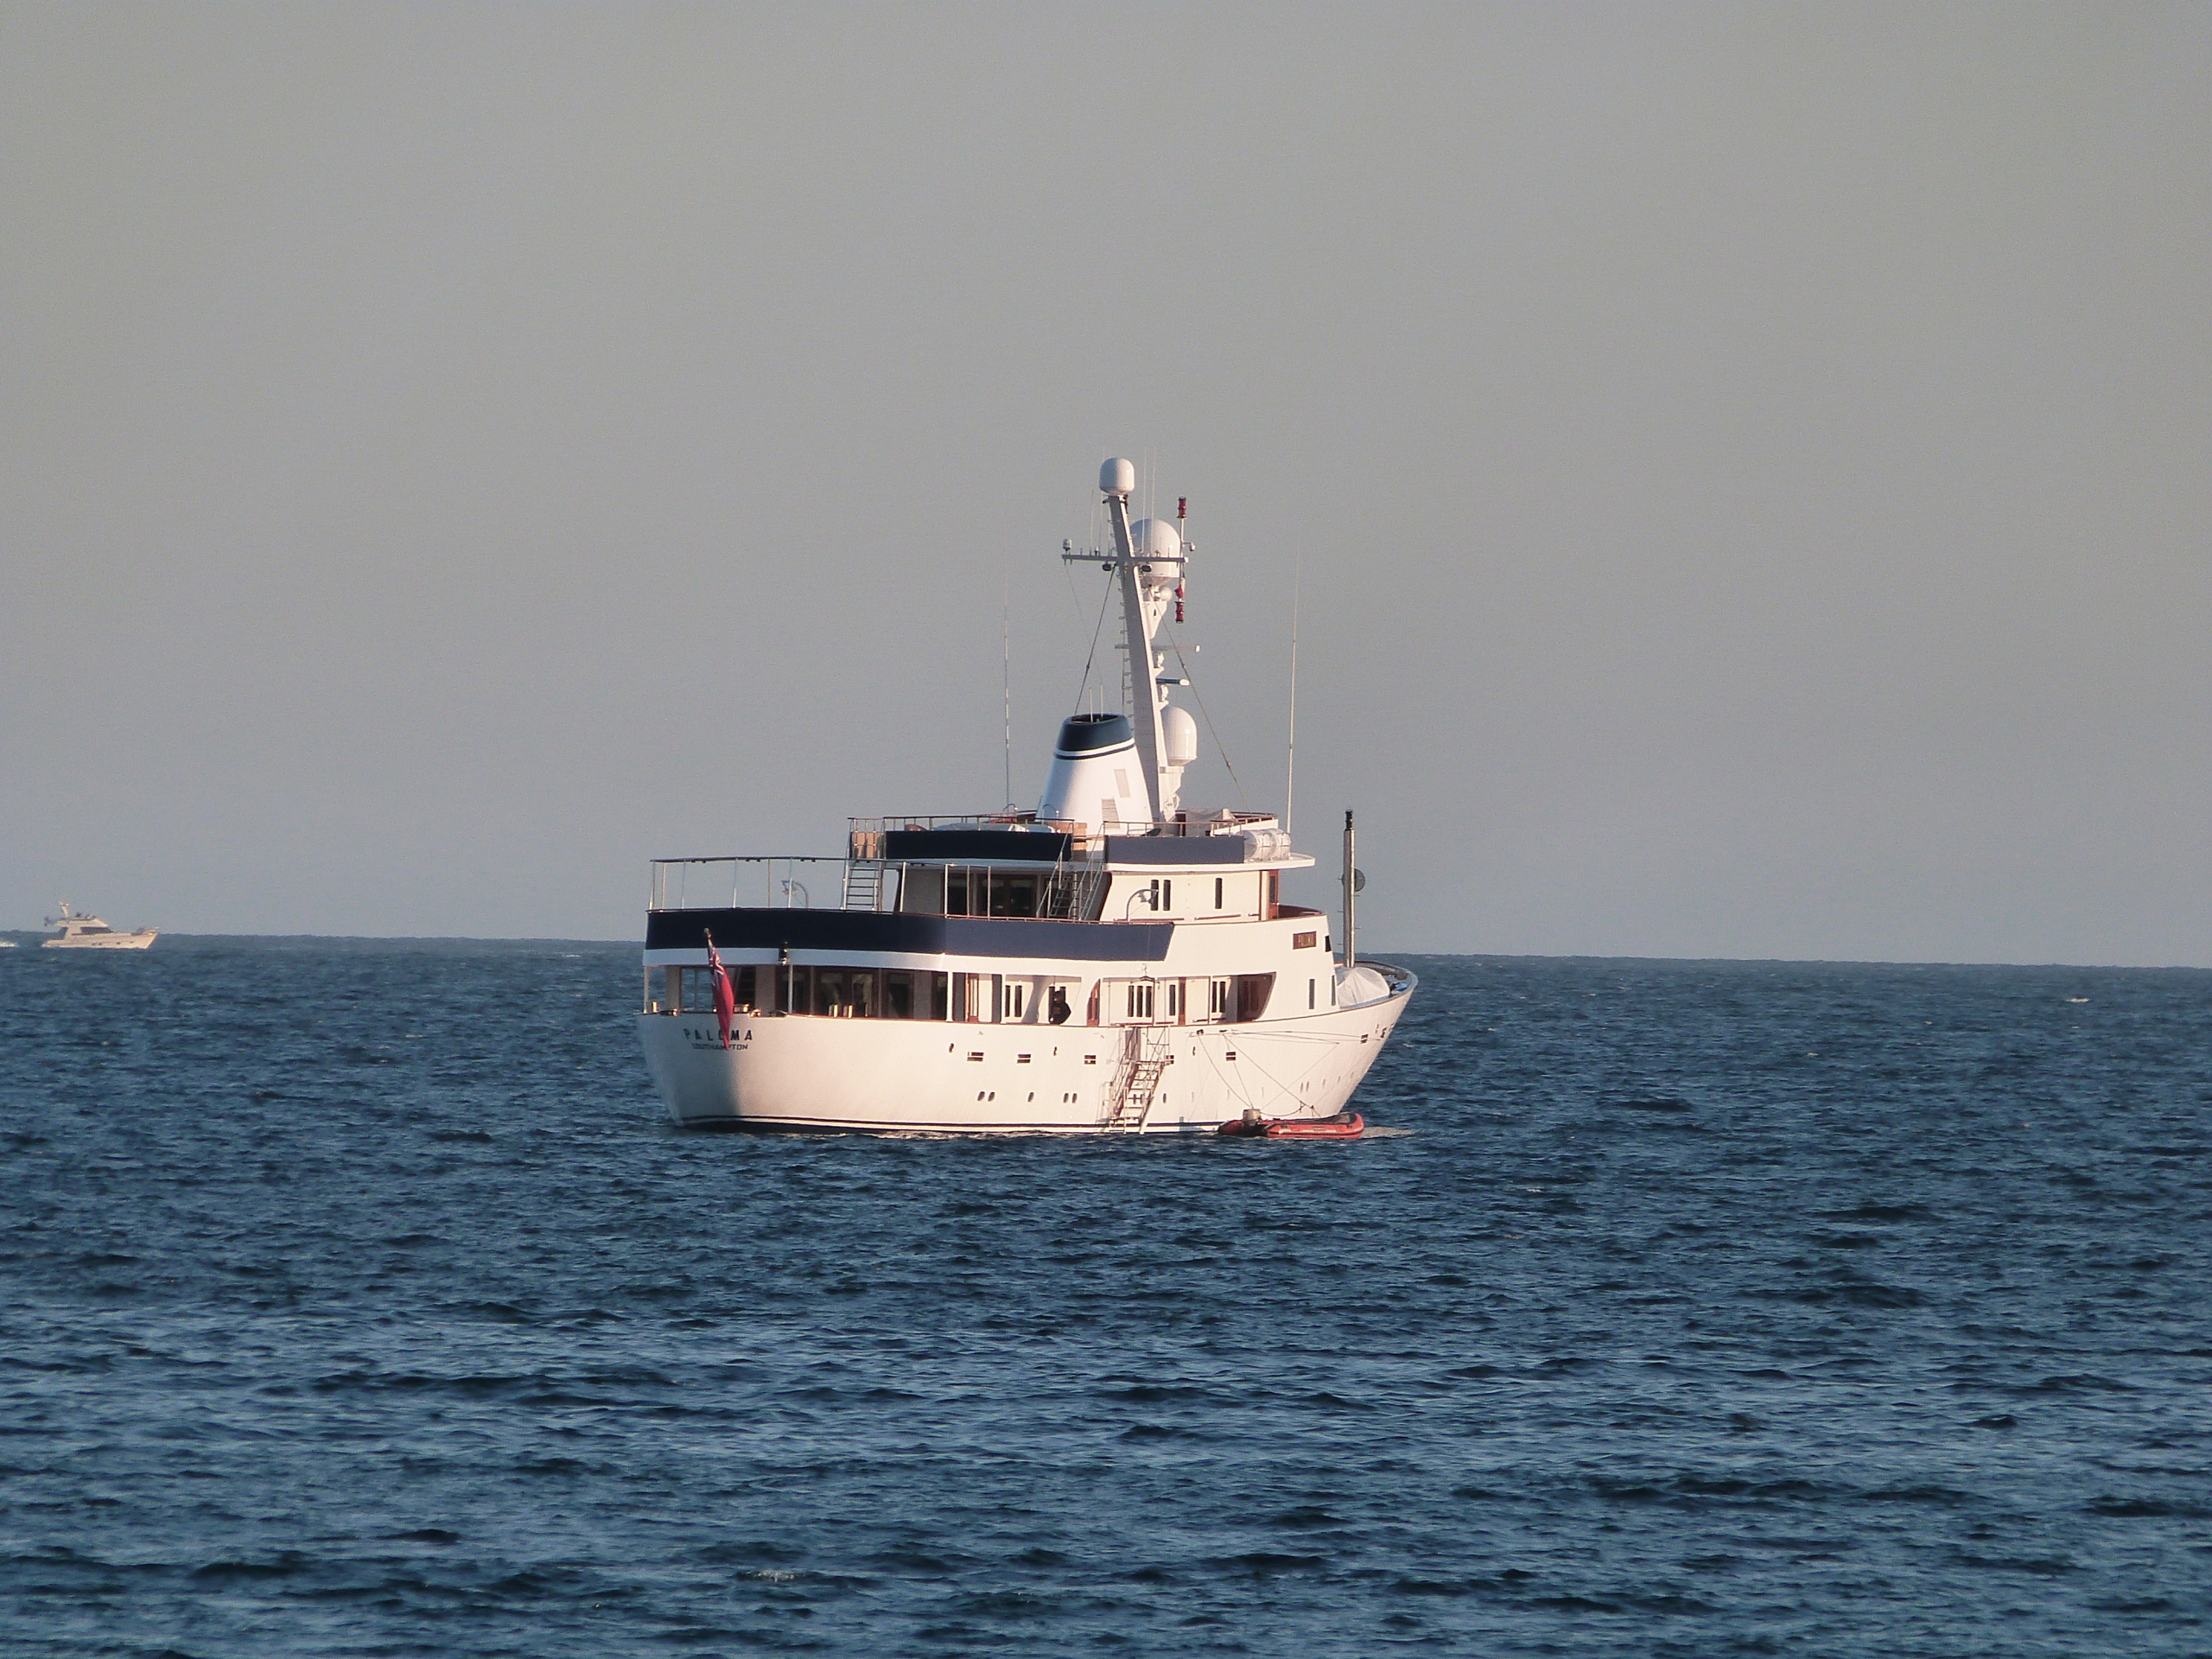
<point x="742" y="883"/>
<point x="865" y="839"/>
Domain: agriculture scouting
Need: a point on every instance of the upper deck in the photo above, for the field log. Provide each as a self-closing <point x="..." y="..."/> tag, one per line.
<point x="1227" y="866"/>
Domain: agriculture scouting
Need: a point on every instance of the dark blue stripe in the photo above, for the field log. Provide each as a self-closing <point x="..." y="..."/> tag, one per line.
<point x="1174" y="849"/>
<point x="977" y="846"/>
<point x="927" y="936"/>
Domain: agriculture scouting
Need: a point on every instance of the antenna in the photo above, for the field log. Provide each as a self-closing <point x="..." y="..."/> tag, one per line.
<point x="1290" y="764"/>
<point x="1006" y="666"/>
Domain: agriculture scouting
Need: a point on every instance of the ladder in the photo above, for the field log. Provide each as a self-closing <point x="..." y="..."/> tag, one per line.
<point x="1136" y="1078"/>
<point x="864" y="884"/>
<point x="1071" y="892"/>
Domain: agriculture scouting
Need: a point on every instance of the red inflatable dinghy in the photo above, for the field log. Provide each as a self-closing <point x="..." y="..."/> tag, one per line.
<point x="1344" y="1126"/>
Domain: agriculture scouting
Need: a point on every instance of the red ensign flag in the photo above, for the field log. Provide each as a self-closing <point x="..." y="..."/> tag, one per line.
<point x="725" y="998"/>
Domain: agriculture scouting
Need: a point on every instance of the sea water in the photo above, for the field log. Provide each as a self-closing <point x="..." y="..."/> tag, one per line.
<point x="355" y="1298"/>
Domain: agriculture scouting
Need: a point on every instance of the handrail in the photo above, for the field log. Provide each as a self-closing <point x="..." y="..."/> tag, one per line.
<point x="782" y="886"/>
<point x="1182" y="825"/>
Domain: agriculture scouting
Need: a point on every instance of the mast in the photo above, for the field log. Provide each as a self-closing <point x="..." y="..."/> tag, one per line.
<point x="1352" y="895"/>
<point x="1141" y="614"/>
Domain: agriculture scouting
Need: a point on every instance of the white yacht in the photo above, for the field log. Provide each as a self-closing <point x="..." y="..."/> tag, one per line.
<point x="1112" y="962"/>
<point x="83" y="933"/>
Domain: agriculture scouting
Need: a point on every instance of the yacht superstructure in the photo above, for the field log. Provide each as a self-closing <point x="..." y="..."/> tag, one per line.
<point x="1111" y="962"/>
<point x="83" y="933"/>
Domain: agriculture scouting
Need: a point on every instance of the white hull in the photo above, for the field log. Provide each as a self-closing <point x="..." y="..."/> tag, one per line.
<point x="922" y="1077"/>
<point x="138" y="941"/>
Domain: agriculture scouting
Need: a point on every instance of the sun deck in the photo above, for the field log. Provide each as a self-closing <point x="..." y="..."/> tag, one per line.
<point x="1228" y="867"/>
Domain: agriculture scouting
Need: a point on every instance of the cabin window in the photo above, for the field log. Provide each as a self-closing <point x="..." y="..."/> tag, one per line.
<point x="1252" y="992"/>
<point x="1168" y="895"/>
<point x="1303" y="941"/>
<point x="1218" y="885"/>
<point x="955" y="893"/>
<point x="698" y="990"/>
<point x="1017" y="1001"/>
<point x="1218" y="1000"/>
<point x="793" y="988"/>
<point x="971" y="997"/>
<point x="743" y="983"/>
<point x="1309" y="993"/>
<point x="940" y="997"/>
<point x="829" y="991"/>
<point x="1055" y="1005"/>
<point x="1013" y="895"/>
<point x="898" y="997"/>
<point x="1174" y="998"/>
<point x="859" y="993"/>
<point x="1136" y="1001"/>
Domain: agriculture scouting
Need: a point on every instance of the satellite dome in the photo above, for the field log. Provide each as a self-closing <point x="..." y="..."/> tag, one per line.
<point x="1156" y="538"/>
<point x="1117" y="477"/>
<point x="1179" y="735"/>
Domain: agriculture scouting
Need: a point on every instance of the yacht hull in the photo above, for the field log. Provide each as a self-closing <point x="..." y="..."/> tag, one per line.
<point x="138" y="941"/>
<point x="932" y="1076"/>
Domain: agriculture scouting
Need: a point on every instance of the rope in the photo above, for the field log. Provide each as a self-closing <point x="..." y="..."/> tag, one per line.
<point x="1097" y="628"/>
<point x="1176" y="645"/>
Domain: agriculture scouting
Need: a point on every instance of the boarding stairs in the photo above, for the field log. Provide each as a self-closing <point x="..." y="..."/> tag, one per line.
<point x="1145" y="1056"/>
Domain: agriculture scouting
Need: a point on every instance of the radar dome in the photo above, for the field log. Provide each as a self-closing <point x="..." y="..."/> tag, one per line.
<point x="1156" y="538"/>
<point x="1179" y="735"/>
<point x="1117" y="477"/>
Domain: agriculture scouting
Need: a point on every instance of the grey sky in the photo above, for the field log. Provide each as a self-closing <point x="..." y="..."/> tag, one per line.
<point x="1749" y="465"/>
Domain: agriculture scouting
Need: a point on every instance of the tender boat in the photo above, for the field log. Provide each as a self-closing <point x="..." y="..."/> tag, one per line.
<point x="83" y="933"/>
<point x="1112" y="962"/>
<point x="1346" y="1125"/>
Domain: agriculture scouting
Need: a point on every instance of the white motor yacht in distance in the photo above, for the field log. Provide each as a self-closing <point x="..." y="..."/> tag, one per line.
<point x="83" y="933"/>
<point x="1112" y="962"/>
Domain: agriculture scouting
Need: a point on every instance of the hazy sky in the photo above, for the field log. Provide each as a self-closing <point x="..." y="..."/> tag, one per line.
<point x="1752" y="466"/>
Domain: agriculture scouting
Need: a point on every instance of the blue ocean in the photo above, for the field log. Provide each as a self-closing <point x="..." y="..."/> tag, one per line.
<point x="356" y="1299"/>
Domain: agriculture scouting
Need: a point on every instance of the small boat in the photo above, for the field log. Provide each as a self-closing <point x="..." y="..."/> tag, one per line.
<point x="83" y="933"/>
<point x="1344" y="1126"/>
